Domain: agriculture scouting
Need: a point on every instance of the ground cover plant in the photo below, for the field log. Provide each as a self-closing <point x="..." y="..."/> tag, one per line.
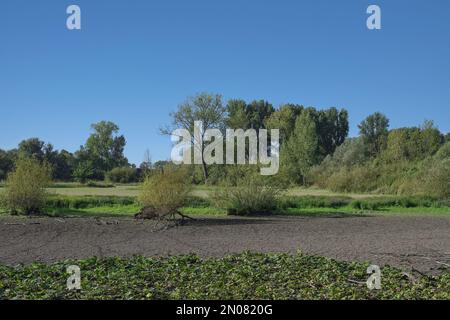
<point x="239" y="276"/>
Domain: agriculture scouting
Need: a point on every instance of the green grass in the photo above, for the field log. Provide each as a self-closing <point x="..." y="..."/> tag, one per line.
<point x="73" y="200"/>
<point x="203" y="211"/>
<point x="101" y="211"/>
<point x="130" y="210"/>
<point x="118" y="191"/>
<point x="302" y="191"/>
<point x="349" y="211"/>
<point x="242" y="276"/>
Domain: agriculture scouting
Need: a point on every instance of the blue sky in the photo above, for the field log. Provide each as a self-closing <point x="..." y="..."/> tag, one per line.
<point x="134" y="61"/>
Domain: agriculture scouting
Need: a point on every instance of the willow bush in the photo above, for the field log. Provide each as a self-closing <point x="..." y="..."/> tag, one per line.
<point x="252" y="195"/>
<point x="25" y="187"/>
<point x="165" y="192"/>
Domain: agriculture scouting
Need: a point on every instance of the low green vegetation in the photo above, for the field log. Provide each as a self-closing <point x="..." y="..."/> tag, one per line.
<point x="60" y="205"/>
<point x="241" y="276"/>
<point x="25" y="191"/>
<point x="83" y="202"/>
<point x="252" y="195"/>
<point x="165" y="192"/>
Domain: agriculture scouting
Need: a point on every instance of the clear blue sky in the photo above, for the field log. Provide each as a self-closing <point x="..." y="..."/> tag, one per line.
<point x="135" y="61"/>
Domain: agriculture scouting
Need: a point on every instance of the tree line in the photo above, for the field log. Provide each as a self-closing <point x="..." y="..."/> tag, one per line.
<point x="315" y="148"/>
<point x="100" y="157"/>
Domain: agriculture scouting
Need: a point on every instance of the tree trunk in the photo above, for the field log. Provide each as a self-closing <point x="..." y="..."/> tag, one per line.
<point x="205" y="171"/>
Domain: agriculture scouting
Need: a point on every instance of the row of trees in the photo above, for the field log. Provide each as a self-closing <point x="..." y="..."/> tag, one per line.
<point x="102" y="155"/>
<point x="315" y="148"/>
<point x="308" y="135"/>
<point x="413" y="160"/>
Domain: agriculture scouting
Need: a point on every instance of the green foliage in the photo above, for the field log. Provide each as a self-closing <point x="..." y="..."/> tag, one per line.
<point x="374" y="131"/>
<point x="369" y="204"/>
<point x="313" y="202"/>
<point x="414" y="162"/>
<point x="331" y="126"/>
<point x="351" y="153"/>
<point x="412" y="143"/>
<point x="102" y="152"/>
<point x="165" y="192"/>
<point x="246" y="276"/>
<point x="332" y="130"/>
<point x="61" y="162"/>
<point x="34" y="148"/>
<point x="354" y="179"/>
<point x="284" y="119"/>
<point x="83" y="171"/>
<point x="444" y="152"/>
<point x="374" y="204"/>
<point x="25" y="187"/>
<point x="437" y="181"/>
<point x="237" y="114"/>
<point x="97" y="184"/>
<point x="299" y="153"/>
<point x="6" y="163"/>
<point x="82" y="202"/>
<point x="258" y="112"/>
<point x="204" y="107"/>
<point x="252" y="195"/>
<point x="123" y="175"/>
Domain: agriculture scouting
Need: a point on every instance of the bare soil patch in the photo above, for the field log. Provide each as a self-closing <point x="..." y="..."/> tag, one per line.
<point x="409" y="242"/>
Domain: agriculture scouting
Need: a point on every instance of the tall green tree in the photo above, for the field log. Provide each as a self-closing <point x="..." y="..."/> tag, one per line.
<point x="332" y="129"/>
<point x="259" y="111"/>
<point x="284" y="119"/>
<point x="374" y="131"/>
<point x="61" y="163"/>
<point x="300" y="151"/>
<point x="103" y="150"/>
<point x="205" y="107"/>
<point x="431" y="138"/>
<point x="7" y="159"/>
<point x="447" y="137"/>
<point x="34" y="148"/>
<point x="237" y="115"/>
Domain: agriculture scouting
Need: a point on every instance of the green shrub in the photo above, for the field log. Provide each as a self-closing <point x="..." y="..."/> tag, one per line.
<point x="165" y="192"/>
<point x="444" y="152"/>
<point x="437" y="181"/>
<point x="251" y="196"/>
<point x="96" y="184"/>
<point x="83" y="172"/>
<point x="122" y="175"/>
<point x="25" y="187"/>
<point x="354" y="179"/>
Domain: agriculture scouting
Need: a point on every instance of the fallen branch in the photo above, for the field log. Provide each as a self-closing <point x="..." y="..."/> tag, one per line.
<point x="154" y="214"/>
